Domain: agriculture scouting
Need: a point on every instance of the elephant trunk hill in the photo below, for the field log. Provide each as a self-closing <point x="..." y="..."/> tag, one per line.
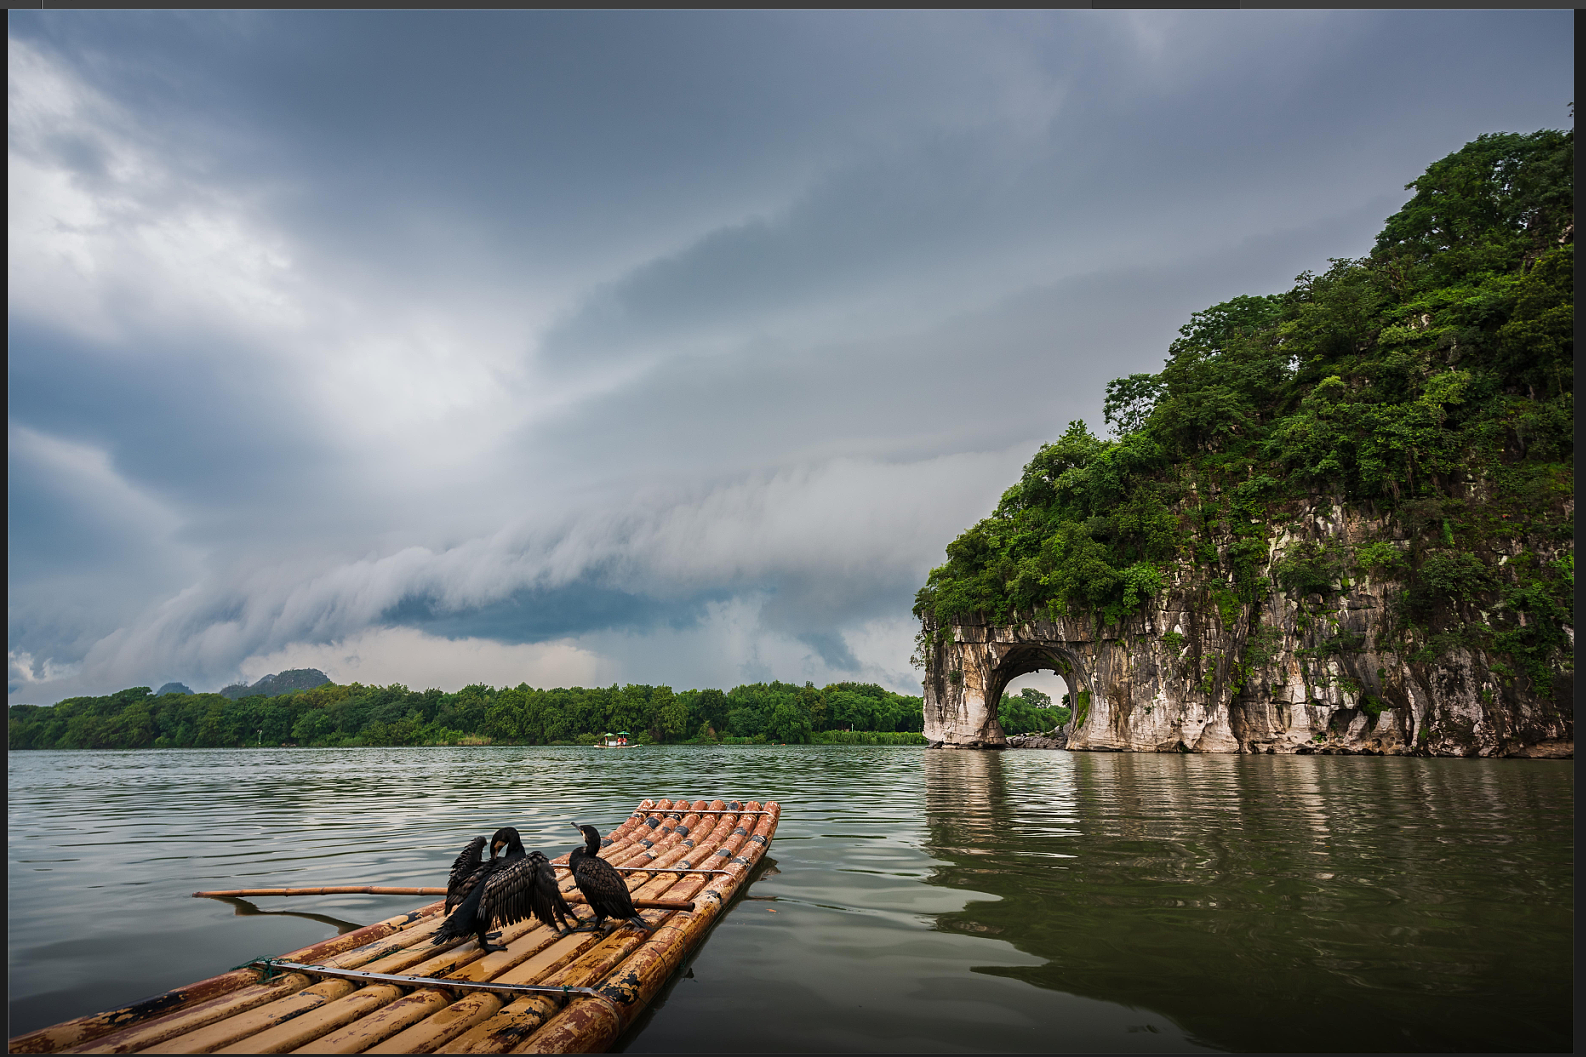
<point x="1340" y="519"/>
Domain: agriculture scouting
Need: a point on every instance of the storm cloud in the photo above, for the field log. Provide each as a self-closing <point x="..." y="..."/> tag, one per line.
<point x="627" y="346"/>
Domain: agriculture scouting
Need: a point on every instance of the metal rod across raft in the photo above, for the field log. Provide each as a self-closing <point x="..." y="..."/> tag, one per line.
<point x="272" y="964"/>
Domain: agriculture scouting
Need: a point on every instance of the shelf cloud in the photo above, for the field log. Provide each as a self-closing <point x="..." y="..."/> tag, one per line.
<point x="564" y="347"/>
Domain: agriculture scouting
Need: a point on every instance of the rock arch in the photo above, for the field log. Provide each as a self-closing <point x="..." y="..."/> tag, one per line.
<point x="970" y="663"/>
<point x="1024" y="658"/>
<point x="1275" y="674"/>
<point x="1118" y="682"/>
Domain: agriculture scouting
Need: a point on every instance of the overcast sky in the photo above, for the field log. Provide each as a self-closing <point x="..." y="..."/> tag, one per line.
<point x="581" y="348"/>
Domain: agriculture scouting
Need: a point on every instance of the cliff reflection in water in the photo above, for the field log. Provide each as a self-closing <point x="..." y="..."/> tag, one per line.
<point x="1312" y="903"/>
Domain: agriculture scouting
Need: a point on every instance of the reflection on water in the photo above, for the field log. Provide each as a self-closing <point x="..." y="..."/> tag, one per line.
<point x="918" y="900"/>
<point x="244" y="909"/>
<point x="1316" y="903"/>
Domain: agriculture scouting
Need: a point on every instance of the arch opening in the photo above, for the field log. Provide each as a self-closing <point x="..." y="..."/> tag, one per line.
<point x="1039" y="666"/>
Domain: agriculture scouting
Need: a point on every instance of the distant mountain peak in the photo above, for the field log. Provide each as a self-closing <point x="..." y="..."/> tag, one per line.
<point x="173" y="688"/>
<point x="275" y="685"/>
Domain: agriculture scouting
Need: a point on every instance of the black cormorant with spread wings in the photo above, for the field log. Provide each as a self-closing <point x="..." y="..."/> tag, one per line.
<point x="520" y="886"/>
<point x="601" y="884"/>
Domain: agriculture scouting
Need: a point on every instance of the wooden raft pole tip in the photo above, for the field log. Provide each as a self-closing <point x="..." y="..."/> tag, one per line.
<point x="322" y="890"/>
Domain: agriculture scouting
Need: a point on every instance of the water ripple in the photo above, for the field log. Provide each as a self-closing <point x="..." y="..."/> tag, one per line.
<point x="922" y="900"/>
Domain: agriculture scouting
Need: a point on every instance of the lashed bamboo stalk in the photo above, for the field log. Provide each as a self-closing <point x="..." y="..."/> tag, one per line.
<point x="424" y="1001"/>
<point x="237" y="893"/>
<point x="354" y="1002"/>
<point x="592" y="1025"/>
<point x="504" y="1029"/>
<point x="435" y="1032"/>
<point x="552" y="966"/>
<point x="82" y="1030"/>
<point x="393" y="958"/>
<point x="507" y="1029"/>
<point x="523" y="962"/>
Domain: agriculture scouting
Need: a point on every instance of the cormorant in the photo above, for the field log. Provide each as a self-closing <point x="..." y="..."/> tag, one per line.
<point x="601" y="884"/>
<point x="519" y="886"/>
<point x="466" y="918"/>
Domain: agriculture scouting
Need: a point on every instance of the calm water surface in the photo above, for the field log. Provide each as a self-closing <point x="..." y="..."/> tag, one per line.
<point x="914" y="899"/>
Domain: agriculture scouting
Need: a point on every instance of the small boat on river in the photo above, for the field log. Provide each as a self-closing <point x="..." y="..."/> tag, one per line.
<point x="386" y="988"/>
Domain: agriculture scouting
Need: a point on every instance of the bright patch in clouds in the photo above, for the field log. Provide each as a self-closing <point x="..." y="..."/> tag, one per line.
<point x="659" y="347"/>
<point x="381" y="656"/>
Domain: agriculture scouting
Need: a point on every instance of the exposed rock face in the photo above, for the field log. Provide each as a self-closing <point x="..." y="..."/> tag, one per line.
<point x="1285" y="675"/>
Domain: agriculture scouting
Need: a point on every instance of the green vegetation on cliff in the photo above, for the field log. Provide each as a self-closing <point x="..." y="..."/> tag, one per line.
<point x="841" y="713"/>
<point x="1429" y="385"/>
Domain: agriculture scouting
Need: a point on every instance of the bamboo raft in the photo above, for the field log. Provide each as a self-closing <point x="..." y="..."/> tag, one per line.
<point x="385" y="988"/>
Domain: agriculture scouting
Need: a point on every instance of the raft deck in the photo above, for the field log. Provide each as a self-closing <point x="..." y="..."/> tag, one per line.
<point x="543" y="994"/>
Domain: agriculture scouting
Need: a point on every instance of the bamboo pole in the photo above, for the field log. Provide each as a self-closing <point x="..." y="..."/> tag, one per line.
<point x="501" y="1031"/>
<point x="209" y="1039"/>
<point x="394" y="956"/>
<point x="592" y="1026"/>
<point x="425" y="1002"/>
<point x="650" y="904"/>
<point x="481" y="1019"/>
<point x="507" y="1030"/>
<point x="301" y="1030"/>
<point x="431" y="1028"/>
<point x="82" y="1030"/>
<point x="323" y="890"/>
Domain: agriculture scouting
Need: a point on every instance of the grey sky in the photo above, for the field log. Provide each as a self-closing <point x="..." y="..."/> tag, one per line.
<point x="630" y="346"/>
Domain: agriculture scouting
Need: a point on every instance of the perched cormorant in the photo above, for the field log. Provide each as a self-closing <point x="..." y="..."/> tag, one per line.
<point x="515" y="887"/>
<point x="466" y="917"/>
<point x="601" y="884"/>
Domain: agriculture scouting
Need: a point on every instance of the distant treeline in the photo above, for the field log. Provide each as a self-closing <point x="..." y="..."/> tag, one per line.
<point x="332" y="715"/>
<point x="1031" y="712"/>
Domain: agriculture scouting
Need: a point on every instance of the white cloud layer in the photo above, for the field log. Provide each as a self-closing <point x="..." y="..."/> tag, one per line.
<point x="382" y="656"/>
<point x="665" y="347"/>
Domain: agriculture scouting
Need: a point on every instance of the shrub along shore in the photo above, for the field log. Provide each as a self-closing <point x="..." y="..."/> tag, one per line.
<point x="357" y="715"/>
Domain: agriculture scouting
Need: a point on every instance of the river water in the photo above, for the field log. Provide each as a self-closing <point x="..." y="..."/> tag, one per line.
<point x="913" y="899"/>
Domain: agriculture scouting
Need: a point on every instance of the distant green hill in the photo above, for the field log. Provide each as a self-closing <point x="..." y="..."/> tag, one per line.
<point x="275" y="685"/>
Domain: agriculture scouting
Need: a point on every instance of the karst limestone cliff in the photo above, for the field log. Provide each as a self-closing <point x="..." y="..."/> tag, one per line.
<point x="1286" y="674"/>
